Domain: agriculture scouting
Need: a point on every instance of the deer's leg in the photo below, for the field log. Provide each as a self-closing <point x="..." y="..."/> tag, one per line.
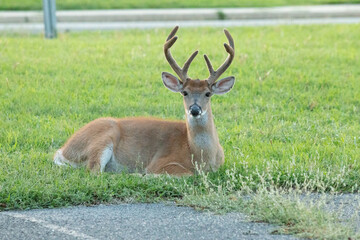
<point x="100" y="157"/>
<point x="95" y="156"/>
<point x="172" y="168"/>
<point x="91" y="146"/>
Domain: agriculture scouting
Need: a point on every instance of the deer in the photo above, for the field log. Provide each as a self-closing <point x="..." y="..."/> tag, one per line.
<point x="154" y="145"/>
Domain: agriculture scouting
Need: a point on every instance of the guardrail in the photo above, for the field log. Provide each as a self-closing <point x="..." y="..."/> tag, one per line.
<point x="135" y="15"/>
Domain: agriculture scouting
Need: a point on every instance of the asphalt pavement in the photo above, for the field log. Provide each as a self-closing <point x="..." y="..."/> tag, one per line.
<point x="156" y="221"/>
<point x="131" y="221"/>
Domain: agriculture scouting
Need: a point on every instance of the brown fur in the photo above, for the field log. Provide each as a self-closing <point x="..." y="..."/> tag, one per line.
<point x="154" y="145"/>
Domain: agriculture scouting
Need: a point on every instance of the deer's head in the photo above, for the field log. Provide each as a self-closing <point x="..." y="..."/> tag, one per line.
<point x="197" y="93"/>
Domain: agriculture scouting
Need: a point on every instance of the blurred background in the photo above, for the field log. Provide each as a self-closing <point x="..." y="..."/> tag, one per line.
<point x="27" y="16"/>
<point x="128" y="4"/>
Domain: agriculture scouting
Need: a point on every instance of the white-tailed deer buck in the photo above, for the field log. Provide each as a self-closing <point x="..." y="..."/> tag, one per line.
<point x="157" y="146"/>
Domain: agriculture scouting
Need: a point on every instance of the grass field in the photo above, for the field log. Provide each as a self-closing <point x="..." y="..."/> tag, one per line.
<point x="291" y="121"/>
<point x="123" y="4"/>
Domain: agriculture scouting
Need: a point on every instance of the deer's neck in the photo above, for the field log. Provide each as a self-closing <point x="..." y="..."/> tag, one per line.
<point x="202" y="136"/>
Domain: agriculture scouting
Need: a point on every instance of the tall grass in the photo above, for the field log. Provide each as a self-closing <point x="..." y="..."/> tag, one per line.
<point x="294" y="209"/>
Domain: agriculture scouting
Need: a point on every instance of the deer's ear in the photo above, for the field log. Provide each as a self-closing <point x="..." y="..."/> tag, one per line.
<point x="223" y="85"/>
<point x="171" y="82"/>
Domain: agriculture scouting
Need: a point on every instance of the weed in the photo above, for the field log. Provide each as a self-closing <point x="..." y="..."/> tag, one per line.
<point x="293" y="209"/>
<point x="221" y="15"/>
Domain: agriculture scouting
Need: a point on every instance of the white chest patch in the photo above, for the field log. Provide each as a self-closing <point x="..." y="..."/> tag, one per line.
<point x="203" y="140"/>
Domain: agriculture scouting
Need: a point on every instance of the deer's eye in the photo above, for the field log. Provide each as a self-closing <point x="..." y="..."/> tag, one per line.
<point x="208" y="94"/>
<point x="184" y="93"/>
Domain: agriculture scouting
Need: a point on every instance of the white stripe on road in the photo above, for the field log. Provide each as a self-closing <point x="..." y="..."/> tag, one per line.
<point x="43" y="223"/>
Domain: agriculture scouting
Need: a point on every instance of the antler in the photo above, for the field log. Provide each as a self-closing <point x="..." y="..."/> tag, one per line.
<point x="214" y="75"/>
<point x="181" y="72"/>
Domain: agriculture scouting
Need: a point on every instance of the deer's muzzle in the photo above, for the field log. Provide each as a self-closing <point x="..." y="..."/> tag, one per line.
<point x="195" y="110"/>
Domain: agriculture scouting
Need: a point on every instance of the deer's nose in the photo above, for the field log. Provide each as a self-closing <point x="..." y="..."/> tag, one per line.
<point x="195" y="110"/>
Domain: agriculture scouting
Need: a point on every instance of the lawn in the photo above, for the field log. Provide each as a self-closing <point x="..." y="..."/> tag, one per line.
<point x="292" y="119"/>
<point x="124" y="4"/>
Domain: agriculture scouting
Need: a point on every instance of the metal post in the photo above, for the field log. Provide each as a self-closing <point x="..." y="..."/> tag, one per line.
<point x="50" y="18"/>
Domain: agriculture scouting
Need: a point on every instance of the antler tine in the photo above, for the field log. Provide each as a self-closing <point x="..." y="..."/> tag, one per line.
<point x="171" y="39"/>
<point x="181" y="72"/>
<point x="208" y="63"/>
<point x="230" y="39"/>
<point x="188" y="62"/>
<point x="214" y="75"/>
<point x="173" y="32"/>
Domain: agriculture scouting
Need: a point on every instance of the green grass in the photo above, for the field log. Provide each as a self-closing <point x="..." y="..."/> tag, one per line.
<point x="291" y="121"/>
<point x="123" y="4"/>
